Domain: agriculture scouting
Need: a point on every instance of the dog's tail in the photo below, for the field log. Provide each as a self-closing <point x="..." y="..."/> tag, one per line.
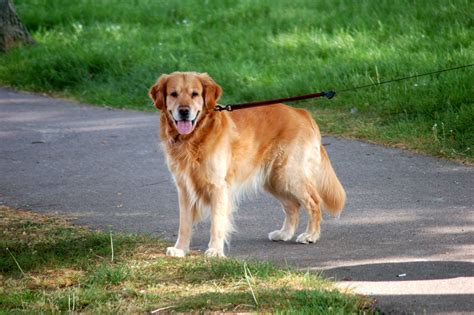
<point x="329" y="187"/>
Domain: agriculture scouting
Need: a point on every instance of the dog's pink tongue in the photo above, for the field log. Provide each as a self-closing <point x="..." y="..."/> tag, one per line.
<point x="184" y="126"/>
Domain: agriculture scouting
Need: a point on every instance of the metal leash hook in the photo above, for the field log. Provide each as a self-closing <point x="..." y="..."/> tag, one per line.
<point x="220" y="108"/>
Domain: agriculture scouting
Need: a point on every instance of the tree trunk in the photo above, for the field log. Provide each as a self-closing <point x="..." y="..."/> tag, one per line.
<point x="11" y="29"/>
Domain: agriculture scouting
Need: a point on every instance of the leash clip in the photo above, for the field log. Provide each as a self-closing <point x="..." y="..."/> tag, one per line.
<point x="220" y="108"/>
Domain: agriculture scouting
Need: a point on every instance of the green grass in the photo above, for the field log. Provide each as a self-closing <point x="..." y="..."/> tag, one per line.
<point x="39" y="274"/>
<point x="110" y="52"/>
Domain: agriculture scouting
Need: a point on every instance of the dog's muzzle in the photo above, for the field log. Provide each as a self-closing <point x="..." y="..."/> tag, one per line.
<point x="184" y="122"/>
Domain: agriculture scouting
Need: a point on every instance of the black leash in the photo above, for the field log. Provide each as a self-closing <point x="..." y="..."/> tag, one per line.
<point x="328" y="94"/>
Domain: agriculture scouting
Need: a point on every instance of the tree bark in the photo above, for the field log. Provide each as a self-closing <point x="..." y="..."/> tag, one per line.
<point x="12" y="31"/>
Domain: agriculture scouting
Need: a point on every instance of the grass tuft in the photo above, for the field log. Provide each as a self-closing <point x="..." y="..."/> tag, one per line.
<point x="16" y="262"/>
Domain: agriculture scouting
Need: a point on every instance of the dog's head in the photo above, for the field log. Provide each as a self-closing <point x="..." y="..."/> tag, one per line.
<point x="185" y="97"/>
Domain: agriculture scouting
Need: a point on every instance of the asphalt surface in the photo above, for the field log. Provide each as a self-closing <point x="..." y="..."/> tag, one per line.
<point x="406" y="236"/>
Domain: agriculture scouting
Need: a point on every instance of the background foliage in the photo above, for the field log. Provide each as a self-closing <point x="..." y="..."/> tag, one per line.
<point x="110" y="52"/>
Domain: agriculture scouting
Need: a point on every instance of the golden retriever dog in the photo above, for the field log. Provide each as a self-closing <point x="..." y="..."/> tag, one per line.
<point x="216" y="156"/>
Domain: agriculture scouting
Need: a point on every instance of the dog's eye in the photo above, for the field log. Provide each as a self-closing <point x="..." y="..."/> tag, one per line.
<point x="194" y="94"/>
<point x="174" y="94"/>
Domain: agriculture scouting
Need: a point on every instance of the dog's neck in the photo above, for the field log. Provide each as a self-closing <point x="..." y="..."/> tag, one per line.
<point x="189" y="151"/>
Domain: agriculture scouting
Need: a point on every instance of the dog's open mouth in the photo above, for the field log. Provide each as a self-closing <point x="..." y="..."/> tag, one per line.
<point x="185" y="127"/>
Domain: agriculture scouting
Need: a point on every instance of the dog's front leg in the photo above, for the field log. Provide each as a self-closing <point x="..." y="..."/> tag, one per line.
<point x="221" y="223"/>
<point x="181" y="247"/>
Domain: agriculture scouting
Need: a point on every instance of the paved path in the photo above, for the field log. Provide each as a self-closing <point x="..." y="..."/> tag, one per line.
<point x="406" y="214"/>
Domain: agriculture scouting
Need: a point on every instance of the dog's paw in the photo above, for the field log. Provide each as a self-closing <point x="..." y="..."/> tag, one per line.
<point x="280" y="235"/>
<point x="175" y="252"/>
<point x="212" y="252"/>
<point x="306" y="238"/>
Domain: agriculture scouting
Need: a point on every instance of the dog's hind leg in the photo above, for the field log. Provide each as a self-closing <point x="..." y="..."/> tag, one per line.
<point x="311" y="200"/>
<point x="291" y="208"/>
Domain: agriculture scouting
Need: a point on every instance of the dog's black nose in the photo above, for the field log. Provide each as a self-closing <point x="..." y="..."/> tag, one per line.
<point x="183" y="112"/>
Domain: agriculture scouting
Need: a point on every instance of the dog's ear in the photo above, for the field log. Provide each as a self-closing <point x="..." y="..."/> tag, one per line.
<point x="158" y="92"/>
<point x="212" y="91"/>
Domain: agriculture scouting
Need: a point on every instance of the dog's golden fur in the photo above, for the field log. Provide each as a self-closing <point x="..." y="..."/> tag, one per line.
<point x="216" y="156"/>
